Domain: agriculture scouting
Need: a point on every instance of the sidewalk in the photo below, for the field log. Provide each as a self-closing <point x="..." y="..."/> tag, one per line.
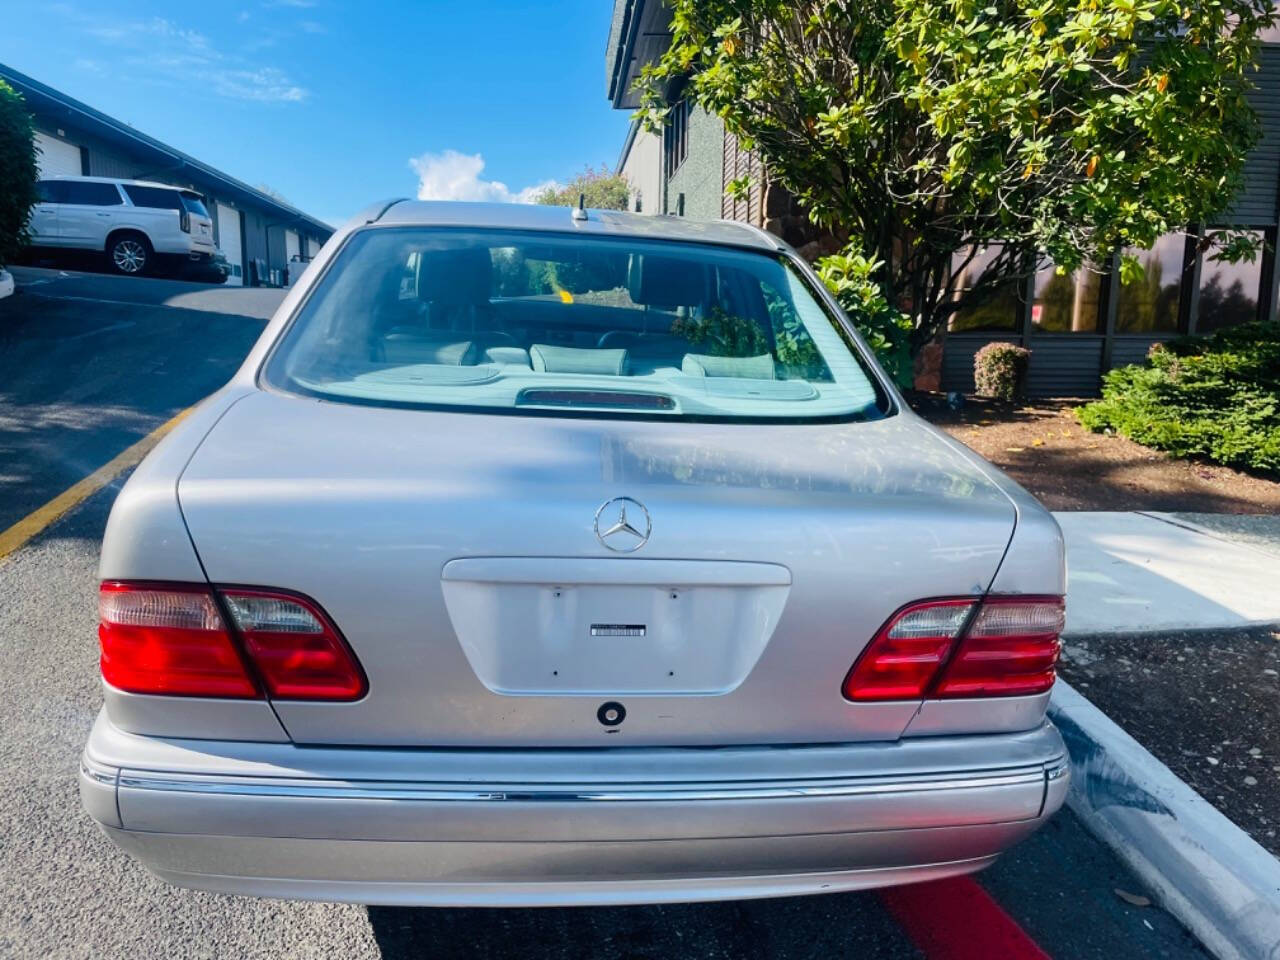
<point x="1142" y="572"/>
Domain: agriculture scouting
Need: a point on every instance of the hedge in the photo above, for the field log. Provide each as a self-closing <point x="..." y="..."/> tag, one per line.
<point x="1216" y="398"/>
<point x="17" y="172"/>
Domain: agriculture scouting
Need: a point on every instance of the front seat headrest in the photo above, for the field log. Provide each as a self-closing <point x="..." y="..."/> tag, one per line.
<point x="455" y="278"/>
<point x="666" y="282"/>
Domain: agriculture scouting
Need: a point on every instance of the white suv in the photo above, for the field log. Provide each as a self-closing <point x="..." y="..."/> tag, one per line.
<point x="137" y="224"/>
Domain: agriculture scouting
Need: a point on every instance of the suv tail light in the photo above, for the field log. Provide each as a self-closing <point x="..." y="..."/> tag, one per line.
<point x="948" y="649"/>
<point x="174" y="640"/>
<point x="184" y="221"/>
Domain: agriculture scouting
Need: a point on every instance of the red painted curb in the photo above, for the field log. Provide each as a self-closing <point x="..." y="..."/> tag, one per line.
<point x="957" y="920"/>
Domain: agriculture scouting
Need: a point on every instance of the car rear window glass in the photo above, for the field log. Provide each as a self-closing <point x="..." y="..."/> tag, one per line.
<point x="530" y="322"/>
<point x="155" y="197"/>
<point x="91" y="193"/>
<point x="194" y="204"/>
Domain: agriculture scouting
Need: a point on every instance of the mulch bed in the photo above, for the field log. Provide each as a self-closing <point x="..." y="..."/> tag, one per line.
<point x="1206" y="704"/>
<point x="1043" y="447"/>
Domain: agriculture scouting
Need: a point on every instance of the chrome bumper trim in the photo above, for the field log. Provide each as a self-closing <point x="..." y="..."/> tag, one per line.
<point x="400" y="790"/>
<point x="98" y="772"/>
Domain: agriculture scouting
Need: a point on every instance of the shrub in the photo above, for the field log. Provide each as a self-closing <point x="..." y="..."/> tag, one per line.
<point x="1000" y="371"/>
<point x="17" y="172"/>
<point x="851" y="277"/>
<point x="1217" y="398"/>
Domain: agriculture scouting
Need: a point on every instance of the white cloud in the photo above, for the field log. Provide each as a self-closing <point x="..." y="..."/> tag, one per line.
<point x="451" y="175"/>
<point x="169" y="53"/>
<point x="267" y="85"/>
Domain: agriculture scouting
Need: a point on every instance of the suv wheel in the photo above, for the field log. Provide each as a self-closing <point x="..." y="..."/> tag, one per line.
<point x="129" y="254"/>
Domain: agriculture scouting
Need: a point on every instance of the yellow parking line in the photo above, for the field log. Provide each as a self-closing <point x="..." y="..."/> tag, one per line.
<point x="37" y="520"/>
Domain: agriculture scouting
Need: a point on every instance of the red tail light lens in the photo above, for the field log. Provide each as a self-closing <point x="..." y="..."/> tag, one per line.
<point x="172" y="639"/>
<point x="904" y="657"/>
<point x="295" y="647"/>
<point x="1009" y="649"/>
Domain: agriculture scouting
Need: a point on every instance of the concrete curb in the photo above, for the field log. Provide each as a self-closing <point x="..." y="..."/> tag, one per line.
<point x="1200" y="866"/>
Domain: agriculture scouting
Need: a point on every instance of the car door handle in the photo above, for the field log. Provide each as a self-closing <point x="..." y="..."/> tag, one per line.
<point x="104" y="214"/>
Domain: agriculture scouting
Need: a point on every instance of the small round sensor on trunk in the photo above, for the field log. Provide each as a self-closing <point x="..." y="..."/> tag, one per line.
<point x="611" y="714"/>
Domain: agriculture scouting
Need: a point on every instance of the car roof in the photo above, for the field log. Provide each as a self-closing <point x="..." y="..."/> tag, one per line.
<point x="532" y="216"/>
<point x="123" y="182"/>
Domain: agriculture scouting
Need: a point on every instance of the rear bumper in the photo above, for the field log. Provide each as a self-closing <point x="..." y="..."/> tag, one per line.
<point x="279" y="820"/>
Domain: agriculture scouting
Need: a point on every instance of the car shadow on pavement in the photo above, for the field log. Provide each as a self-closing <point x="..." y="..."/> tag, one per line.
<point x="793" y="927"/>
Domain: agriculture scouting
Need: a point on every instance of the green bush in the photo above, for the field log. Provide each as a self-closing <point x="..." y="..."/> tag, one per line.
<point x="1217" y="398"/>
<point x="851" y="277"/>
<point x="17" y="172"/>
<point x="1000" y="371"/>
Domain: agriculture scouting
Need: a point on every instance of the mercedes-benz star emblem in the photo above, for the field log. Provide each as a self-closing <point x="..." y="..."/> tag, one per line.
<point x="623" y="524"/>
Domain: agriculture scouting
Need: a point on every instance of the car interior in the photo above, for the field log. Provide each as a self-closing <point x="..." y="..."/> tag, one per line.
<point x="616" y="315"/>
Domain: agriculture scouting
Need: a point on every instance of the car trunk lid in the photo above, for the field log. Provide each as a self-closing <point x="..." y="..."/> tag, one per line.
<point x="459" y="555"/>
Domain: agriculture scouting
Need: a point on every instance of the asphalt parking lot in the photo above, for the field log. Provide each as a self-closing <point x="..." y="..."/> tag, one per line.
<point x="90" y="365"/>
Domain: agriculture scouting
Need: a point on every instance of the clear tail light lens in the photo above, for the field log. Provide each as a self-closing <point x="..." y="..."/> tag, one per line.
<point x="169" y="640"/>
<point x="172" y="639"/>
<point x="1008" y="648"/>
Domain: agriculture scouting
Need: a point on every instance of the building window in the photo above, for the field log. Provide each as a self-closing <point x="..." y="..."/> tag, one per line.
<point x="995" y="312"/>
<point x="675" y="142"/>
<point x="1229" y="292"/>
<point x="1068" y="302"/>
<point x="1150" y="305"/>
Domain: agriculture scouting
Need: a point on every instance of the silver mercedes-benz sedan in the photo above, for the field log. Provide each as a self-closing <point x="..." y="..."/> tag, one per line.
<point x="540" y="556"/>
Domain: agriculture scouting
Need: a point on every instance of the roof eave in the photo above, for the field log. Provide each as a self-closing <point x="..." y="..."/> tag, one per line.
<point x="114" y="130"/>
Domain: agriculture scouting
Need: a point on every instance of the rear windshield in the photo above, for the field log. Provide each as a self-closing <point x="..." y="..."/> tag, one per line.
<point x="194" y="204"/>
<point x="538" y="323"/>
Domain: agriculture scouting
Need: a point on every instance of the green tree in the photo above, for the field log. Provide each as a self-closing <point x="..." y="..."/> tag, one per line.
<point x="1062" y="130"/>
<point x="603" y="191"/>
<point x="17" y="172"/>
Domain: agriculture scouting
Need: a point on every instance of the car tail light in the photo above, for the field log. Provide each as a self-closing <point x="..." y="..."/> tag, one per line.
<point x="184" y="221"/>
<point x="1009" y="650"/>
<point x="295" y="647"/>
<point x="996" y="647"/>
<point x="904" y="657"/>
<point x="168" y="639"/>
<point x="173" y="639"/>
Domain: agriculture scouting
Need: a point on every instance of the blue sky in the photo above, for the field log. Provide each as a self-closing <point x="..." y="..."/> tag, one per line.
<point x="337" y="104"/>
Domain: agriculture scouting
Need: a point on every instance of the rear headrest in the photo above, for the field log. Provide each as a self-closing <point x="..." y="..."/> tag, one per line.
<point x="578" y="360"/>
<point x="666" y="282"/>
<point x="455" y="277"/>
<point x="414" y="348"/>
<point x="743" y="368"/>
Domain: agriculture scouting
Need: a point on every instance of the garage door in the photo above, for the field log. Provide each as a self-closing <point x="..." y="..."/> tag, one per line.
<point x="229" y="241"/>
<point x="293" y="255"/>
<point x="57" y="157"/>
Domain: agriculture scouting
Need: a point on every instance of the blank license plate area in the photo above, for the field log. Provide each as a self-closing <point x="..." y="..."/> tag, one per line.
<point x="591" y="633"/>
